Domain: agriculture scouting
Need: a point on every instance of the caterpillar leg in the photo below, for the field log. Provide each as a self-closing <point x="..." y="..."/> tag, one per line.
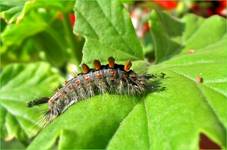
<point x="38" y="101"/>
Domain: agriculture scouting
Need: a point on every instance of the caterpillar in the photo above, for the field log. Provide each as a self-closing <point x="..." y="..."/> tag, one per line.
<point x="110" y="78"/>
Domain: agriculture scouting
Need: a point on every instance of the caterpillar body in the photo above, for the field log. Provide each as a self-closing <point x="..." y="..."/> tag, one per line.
<point x="110" y="78"/>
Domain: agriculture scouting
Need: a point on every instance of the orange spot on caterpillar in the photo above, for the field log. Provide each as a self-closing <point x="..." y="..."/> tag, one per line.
<point x="98" y="75"/>
<point x="85" y="68"/>
<point x="77" y="82"/>
<point x="113" y="72"/>
<point x="87" y="77"/>
<point x="111" y="62"/>
<point x="127" y="66"/>
<point x="97" y="64"/>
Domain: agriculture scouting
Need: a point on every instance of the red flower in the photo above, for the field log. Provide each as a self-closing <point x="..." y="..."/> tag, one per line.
<point x="72" y="19"/>
<point x="222" y="7"/>
<point x="167" y="4"/>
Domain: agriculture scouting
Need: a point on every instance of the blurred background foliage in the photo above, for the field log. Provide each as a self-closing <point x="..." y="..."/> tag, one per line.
<point x="39" y="30"/>
<point x="42" y="30"/>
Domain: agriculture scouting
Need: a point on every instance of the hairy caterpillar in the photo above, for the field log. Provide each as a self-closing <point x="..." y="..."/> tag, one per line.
<point x="110" y="78"/>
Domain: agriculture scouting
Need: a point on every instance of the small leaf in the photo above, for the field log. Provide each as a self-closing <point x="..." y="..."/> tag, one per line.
<point x="108" y="31"/>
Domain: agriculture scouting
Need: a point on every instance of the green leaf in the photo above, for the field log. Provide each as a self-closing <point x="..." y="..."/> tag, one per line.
<point x="166" y="32"/>
<point x="107" y="29"/>
<point x="46" y="22"/>
<point x="10" y="9"/>
<point x="172" y="118"/>
<point x="20" y="84"/>
<point x="15" y="10"/>
<point x="9" y="37"/>
<point x="87" y="124"/>
<point x="176" y="117"/>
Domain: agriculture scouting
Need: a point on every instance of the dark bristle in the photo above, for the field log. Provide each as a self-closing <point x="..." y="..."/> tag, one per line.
<point x="38" y="101"/>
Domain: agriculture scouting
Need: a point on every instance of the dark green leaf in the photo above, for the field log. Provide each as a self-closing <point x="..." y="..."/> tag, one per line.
<point x="46" y="23"/>
<point x="107" y="29"/>
<point x="20" y="84"/>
